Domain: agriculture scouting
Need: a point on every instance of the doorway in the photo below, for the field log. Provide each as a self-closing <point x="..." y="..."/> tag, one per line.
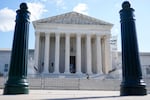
<point x="72" y="64"/>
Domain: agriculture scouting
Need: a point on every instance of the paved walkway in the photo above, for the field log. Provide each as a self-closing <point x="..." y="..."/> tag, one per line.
<point x="71" y="95"/>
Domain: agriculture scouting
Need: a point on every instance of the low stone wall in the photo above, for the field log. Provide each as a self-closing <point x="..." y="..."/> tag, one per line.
<point x="74" y="84"/>
<point x="96" y="84"/>
<point x="2" y="82"/>
<point x="147" y="84"/>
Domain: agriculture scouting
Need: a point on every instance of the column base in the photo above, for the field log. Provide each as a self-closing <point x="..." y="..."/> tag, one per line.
<point x="100" y="73"/>
<point x="139" y="89"/>
<point x="67" y="73"/>
<point x="45" y="73"/>
<point x="14" y="86"/>
<point x="56" y="72"/>
<point x="89" y="73"/>
<point x="78" y="73"/>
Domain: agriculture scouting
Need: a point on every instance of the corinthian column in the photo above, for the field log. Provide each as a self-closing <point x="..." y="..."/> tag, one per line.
<point x="36" y="53"/>
<point x="67" y="54"/>
<point x="78" y="54"/>
<point x="46" y="57"/>
<point x="107" y="54"/>
<point x="57" y="43"/>
<point x="98" y="55"/>
<point x="88" y="54"/>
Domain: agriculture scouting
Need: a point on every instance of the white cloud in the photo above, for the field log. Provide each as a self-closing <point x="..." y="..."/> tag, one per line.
<point x="7" y="17"/>
<point x="59" y="3"/>
<point x="36" y="9"/>
<point x="81" y="8"/>
<point x="44" y="0"/>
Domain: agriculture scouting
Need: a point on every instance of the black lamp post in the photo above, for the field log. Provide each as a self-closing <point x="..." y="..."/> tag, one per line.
<point x="17" y="79"/>
<point x="132" y="83"/>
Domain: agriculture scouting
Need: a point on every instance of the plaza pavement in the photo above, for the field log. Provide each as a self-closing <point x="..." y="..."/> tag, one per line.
<point x="71" y="95"/>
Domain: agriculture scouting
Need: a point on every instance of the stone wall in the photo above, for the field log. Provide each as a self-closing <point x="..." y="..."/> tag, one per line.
<point x="5" y="60"/>
<point x="74" y="84"/>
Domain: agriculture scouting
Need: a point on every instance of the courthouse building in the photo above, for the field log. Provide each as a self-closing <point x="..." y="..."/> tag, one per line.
<point x="72" y="43"/>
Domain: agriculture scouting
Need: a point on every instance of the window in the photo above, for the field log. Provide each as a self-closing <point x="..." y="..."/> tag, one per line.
<point x="6" y="68"/>
<point x="148" y="71"/>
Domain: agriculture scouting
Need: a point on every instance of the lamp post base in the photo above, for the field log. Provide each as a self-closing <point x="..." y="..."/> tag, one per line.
<point x="133" y="90"/>
<point x="16" y="87"/>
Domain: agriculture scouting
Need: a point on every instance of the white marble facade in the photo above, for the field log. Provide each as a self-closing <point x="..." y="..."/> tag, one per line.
<point x="72" y="43"/>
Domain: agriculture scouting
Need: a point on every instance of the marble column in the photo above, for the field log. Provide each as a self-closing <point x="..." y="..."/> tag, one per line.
<point x="107" y="54"/>
<point x="57" y="45"/>
<point x="88" y="54"/>
<point x="98" y="55"/>
<point x="36" y="53"/>
<point x="78" y="54"/>
<point x="46" y="57"/>
<point x="67" y="54"/>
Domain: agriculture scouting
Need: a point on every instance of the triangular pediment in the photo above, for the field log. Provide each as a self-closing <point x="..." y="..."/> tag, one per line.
<point x="73" y="18"/>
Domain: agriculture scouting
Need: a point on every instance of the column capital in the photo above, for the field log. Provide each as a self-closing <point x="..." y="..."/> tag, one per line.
<point x="37" y="33"/>
<point x="107" y="36"/>
<point x="47" y="33"/>
<point x="88" y="35"/>
<point x="98" y="35"/>
<point x="57" y="34"/>
<point x="67" y="34"/>
<point x="78" y="35"/>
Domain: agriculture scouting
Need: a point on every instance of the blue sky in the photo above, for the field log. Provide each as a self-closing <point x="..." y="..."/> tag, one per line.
<point x="107" y="10"/>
